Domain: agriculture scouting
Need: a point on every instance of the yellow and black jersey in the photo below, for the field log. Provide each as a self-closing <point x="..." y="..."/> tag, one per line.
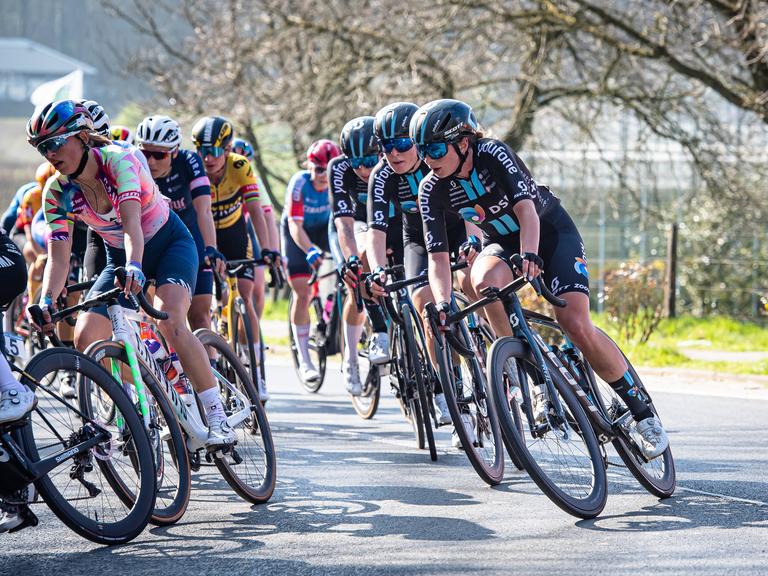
<point x="238" y="186"/>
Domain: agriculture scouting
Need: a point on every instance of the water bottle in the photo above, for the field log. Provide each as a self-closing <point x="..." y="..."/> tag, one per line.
<point x="177" y="377"/>
<point x="328" y="308"/>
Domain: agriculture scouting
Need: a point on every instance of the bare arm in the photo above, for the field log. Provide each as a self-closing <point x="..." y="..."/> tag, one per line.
<point x="202" y="205"/>
<point x="260" y="225"/>
<point x="271" y="221"/>
<point x="440" y="276"/>
<point x="130" y="215"/>
<point x="377" y="248"/>
<point x="57" y="267"/>
<point x="525" y="211"/>
<point x="299" y="235"/>
<point x="345" y="227"/>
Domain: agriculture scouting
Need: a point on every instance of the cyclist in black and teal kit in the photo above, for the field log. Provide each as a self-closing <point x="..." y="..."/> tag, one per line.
<point x="181" y="178"/>
<point x="304" y="233"/>
<point x="349" y="175"/>
<point x="485" y="182"/>
<point x="396" y="179"/>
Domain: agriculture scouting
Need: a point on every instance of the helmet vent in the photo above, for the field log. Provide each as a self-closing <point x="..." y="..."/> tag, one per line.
<point x="444" y="123"/>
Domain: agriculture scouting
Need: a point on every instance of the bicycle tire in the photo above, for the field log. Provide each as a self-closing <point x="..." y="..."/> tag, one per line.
<point x="314" y="345"/>
<point x="95" y="529"/>
<point x="491" y="473"/>
<point x="367" y="403"/>
<point x="166" y="511"/>
<point x="261" y="493"/>
<point x="593" y="503"/>
<point x="660" y="485"/>
<point x="419" y="364"/>
<point x="407" y="396"/>
<point x="240" y="314"/>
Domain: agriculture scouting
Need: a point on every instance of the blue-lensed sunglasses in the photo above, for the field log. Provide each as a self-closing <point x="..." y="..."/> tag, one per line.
<point x="53" y="144"/>
<point x="399" y="144"/>
<point x="214" y="151"/>
<point x="364" y="161"/>
<point x="435" y="150"/>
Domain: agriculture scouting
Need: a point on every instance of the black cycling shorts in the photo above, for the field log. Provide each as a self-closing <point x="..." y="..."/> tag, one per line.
<point x="416" y="257"/>
<point x="560" y="247"/>
<point x="294" y="257"/>
<point x="234" y="243"/>
<point x="13" y="271"/>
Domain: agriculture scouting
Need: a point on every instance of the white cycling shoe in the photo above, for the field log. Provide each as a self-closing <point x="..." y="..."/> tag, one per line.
<point x="67" y="386"/>
<point x="469" y="427"/>
<point x="220" y="433"/>
<point x="654" y="438"/>
<point x="14" y="405"/>
<point x="352" y="378"/>
<point x="378" y="348"/>
<point x="308" y="373"/>
<point x="441" y="407"/>
<point x="262" y="386"/>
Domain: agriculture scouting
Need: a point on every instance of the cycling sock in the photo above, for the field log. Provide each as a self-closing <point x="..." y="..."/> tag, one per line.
<point x="352" y="334"/>
<point x="376" y="316"/>
<point x="301" y="336"/>
<point x="212" y="403"/>
<point x="7" y="379"/>
<point x="628" y="391"/>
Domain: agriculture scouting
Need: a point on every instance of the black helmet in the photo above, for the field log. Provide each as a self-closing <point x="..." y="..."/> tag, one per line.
<point x="393" y="120"/>
<point x="212" y="131"/>
<point x="357" y="138"/>
<point x="443" y="121"/>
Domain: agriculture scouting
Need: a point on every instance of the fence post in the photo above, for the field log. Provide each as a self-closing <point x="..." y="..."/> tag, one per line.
<point x="670" y="279"/>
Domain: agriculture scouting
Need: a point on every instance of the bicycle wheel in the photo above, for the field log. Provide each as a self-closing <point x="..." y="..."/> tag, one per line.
<point x="474" y="416"/>
<point x="418" y="368"/>
<point x="169" y="448"/>
<point x="78" y="490"/>
<point x="405" y="392"/>
<point x="563" y="456"/>
<point x="242" y="340"/>
<point x="658" y="475"/>
<point x="316" y="344"/>
<point x="250" y="466"/>
<point x="368" y="402"/>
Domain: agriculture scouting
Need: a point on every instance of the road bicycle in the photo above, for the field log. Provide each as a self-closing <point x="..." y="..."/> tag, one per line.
<point x="97" y="477"/>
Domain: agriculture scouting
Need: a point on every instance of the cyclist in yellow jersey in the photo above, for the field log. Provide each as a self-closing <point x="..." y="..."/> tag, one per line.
<point x="233" y="187"/>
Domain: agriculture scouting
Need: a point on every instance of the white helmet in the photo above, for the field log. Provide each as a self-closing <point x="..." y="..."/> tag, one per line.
<point x="159" y="131"/>
<point x="98" y="115"/>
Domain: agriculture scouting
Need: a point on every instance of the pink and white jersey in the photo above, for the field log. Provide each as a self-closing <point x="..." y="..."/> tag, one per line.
<point x="124" y="180"/>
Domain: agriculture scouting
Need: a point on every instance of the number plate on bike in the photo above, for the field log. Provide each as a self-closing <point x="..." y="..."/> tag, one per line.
<point x="14" y="346"/>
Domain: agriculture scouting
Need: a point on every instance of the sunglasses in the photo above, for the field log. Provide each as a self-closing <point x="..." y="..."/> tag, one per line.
<point x="156" y="154"/>
<point x="214" y="151"/>
<point x="317" y="169"/>
<point x="54" y="144"/>
<point x="435" y="150"/>
<point x="399" y="144"/>
<point x="364" y="161"/>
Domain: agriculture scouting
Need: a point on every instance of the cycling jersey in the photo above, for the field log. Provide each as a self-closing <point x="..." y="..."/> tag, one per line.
<point x="136" y="152"/>
<point x="185" y="182"/>
<point x="30" y="205"/>
<point x="499" y="179"/>
<point x="386" y="187"/>
<point x="237" y="186"/>
<point x="305" y="204"/>
<point x="123" y="178"/>
<point x="349" y="192"/>
<point x="10" y="216"/>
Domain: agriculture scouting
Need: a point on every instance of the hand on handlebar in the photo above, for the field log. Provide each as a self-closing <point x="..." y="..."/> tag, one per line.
<point x="528" y="264"/>
<point x="134" y="278"/>
<point x="469" y="249"/>
<point x="40" y="317"/>
<point x="216" y="260"/>
<point x="351" y="270"/>
<point x="314" y="257"/>
<point x="374" y="283"/>
<point x="438" y="313"/>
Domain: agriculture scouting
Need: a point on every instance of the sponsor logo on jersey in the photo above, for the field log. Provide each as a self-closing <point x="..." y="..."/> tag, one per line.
<point x="581" y="267"/>
<point x="474" y="214"/>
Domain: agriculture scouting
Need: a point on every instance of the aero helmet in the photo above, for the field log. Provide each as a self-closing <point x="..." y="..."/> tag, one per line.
<point x="357" y="138"/>
<point x="393" y="121"/>
<point x="212" y="131"/>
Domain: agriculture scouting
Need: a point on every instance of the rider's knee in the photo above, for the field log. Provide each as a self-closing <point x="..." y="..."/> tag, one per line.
<point x="578" y="329"/>
<point x="172" y="327"/>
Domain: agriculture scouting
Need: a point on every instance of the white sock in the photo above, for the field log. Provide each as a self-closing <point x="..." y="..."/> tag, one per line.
<point x="352" y="334"/>
<point x="301" y="336"/>
<point x="7" y="379"/>
<point x="212" y="403"/>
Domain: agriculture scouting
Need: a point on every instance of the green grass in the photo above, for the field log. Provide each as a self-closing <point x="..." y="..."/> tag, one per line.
<point x="276" y="310"/>
<point x="716" y="333"/>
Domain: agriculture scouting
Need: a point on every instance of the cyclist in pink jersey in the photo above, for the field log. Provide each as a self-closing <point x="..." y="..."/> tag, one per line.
<point x="106" y="187"/>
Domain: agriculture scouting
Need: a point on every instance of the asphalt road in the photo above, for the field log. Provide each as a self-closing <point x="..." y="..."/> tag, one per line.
<point x="355" y="497"/>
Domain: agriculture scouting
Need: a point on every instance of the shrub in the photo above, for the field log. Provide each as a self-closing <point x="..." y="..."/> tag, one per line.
<point x="634" y="299"/>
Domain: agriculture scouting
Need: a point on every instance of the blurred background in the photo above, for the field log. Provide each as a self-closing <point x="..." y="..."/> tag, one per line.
<point x="648" y="119"/>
